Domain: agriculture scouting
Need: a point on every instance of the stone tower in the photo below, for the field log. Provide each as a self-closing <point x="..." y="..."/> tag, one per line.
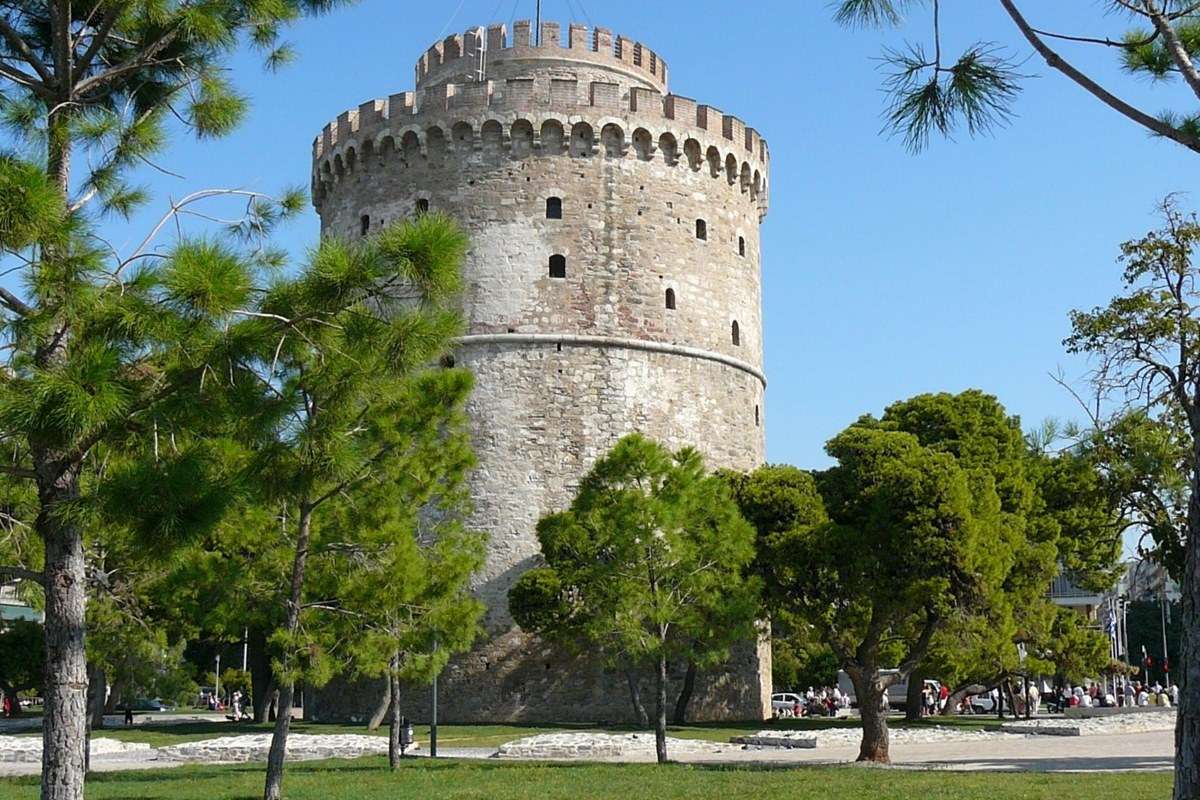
<point x="613" y="284"/>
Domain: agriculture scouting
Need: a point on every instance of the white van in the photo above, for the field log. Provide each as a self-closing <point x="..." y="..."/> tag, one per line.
<point x="897" y="694"/>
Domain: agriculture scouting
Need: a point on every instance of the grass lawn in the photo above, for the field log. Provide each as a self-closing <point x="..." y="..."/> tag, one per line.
<point x="368" y="779"/>
<point x="159" y="735"/>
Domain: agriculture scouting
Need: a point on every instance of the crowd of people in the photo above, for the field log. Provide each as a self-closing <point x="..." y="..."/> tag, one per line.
<point x="824" y="702"/>
<point x="1126" y="694"/>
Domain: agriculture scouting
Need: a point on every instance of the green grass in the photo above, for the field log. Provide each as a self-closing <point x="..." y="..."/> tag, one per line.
<point x="368" y="779"/>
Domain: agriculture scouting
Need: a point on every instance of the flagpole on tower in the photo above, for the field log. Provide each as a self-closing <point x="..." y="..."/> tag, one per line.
<point x="537" y="31"/>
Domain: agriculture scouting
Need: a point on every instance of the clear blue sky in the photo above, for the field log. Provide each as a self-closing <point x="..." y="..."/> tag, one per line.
<point x="886" y="274"/>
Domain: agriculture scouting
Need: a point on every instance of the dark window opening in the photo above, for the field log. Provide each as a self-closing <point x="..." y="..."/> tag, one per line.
<point x="422" y="206"/>
<point x="701" y="229"/>
<point x="737" y="336"/>
<point x="670" y="299"/>
<point x="554" y="208"/>
<point x="741" y="245"/>
<point x="756" y="418"/>
<point x="364" y="224"/>
<point x="558" y="266"/>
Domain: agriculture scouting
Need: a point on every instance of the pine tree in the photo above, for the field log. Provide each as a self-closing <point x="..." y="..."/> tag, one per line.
<point x="650" y="562"/>
<point x="343" y="398"/>
<point x="100" y="347"/>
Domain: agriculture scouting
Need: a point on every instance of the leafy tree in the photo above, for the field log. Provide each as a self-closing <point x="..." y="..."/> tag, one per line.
<point x="650" y="561"/>
<point x="1054" y="514"/>
<point x="402" y="570"/>
<point x="905" y="550"/>
<point x="100" y="347"/>
<point x="342" y="397"/>
<point x="782" y="502"/>
<point x="1146" y="343"/>
<point x="931" y="92"/>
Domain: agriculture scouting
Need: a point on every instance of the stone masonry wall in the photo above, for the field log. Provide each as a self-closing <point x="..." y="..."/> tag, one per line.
<point x="656" y="326"/>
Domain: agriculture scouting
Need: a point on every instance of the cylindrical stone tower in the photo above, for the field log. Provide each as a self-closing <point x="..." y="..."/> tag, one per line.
<point x="613" y="285"/>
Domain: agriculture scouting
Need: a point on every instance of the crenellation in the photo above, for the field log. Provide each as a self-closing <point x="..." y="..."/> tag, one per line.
<point x="551" y="34"/>
<point x="681" y="109"/>
<point x="347" y="124"/>
<point x="624" y="51"/>
<point x="521" y="33"/>
<point x="497" y="37"/>
<point x="751" y="140"/>
<point x="401" y="104"/>
<point x="734" y="130"/>
<point x="602" y="41"/>
<point x="577" y="38"/>
<point x="372" y="114"/>
<point x="452" y="48"/>
<point x="710" y="119"/>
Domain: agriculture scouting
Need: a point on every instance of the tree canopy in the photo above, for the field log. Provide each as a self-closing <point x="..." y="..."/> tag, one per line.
<point x="648" y="565"/>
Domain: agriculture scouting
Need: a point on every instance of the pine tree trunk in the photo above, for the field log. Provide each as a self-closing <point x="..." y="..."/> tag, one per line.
<point x="394" y="728"/>
<point x="685" y="694"/>
<point x="262" y="682"/>
<point x="874" y="747"/>
<point x="97" y="693"/>
<point x="287" y="688"/>
<point x="381" y="710"/>
<point x="660" y="711"/>
<point x="1187" y="726"/>
<point x="635" y="696"/>
<point x="65" y="679"/>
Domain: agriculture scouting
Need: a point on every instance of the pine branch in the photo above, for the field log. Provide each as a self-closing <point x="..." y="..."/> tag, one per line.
<point x="1055" y="61"/>
<point x="1179" y="53"/>
<point x="17" y="472"/>
<point x="14" y="303"/>
<point x="18" y="44"/>
<point x="8" y="573"/>
<point x="145" y="58"/>
<point x="98" y="40"/>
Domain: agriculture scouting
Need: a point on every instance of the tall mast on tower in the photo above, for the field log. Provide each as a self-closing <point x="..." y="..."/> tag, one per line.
<point x="537" y="30"/>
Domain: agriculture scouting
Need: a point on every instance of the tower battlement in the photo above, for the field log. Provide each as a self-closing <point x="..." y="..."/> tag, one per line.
<point x="477" y="52"/>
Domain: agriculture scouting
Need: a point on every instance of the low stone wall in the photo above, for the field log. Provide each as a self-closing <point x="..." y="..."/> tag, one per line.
<point x="786" y="740"/>
<point x="254" y="747"/>
<point x="28" y="749"/>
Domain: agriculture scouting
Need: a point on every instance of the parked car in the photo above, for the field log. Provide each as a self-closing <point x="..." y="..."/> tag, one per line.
<point x="783" y="703"/>
<point x="982" y="704"/>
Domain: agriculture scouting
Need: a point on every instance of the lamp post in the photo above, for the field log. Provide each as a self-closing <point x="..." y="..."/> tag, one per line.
<point x="433" y="716"/>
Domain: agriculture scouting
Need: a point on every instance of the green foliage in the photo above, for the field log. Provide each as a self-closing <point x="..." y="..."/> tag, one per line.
<point x="650" y="563"/>
<point x="31" y="208"/>
<point x="781" y="502"/>
<point x="132" y="65"/>
<point x="22" y="655"/>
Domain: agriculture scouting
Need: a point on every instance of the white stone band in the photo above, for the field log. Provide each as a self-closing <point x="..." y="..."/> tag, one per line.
<point x="612" y="341"/>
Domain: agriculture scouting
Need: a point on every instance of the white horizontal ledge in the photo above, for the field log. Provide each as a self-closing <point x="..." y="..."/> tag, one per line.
<point x="578" y="340"/>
